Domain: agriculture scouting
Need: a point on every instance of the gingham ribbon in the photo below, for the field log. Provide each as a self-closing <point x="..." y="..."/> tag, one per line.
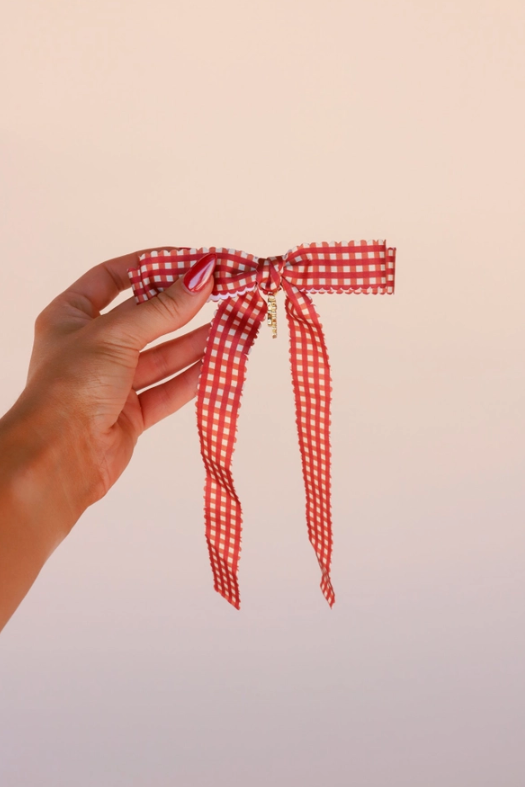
<point x="241" y="282"/>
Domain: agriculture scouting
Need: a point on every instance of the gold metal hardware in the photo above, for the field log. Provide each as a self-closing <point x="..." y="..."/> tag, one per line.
<point x="271" y="317"/>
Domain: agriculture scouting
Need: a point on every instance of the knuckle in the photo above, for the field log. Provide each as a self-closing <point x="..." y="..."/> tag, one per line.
<point x="50" y="316"/>
<point x="108" y="329"/>
<point x="167" y="305"/>
<point x="114" y="340"/>
<point x="42" y="320"/>
<point x="160" y="364"/>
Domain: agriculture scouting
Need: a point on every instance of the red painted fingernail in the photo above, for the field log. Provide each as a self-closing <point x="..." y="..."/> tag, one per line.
<point x="199" y="273"/>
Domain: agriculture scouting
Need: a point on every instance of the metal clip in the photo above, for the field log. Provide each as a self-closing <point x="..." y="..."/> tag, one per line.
<point x="271" y="317"/>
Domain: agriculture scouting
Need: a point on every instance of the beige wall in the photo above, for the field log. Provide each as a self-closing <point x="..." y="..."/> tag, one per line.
<point x="261" y="126"/>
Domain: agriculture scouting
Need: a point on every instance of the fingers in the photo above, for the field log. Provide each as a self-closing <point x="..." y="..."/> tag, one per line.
<point x="164" y="399"/>
<point x="139" y="324"/>
<point x="170" y="357"/>
<point x="100" y="285"/>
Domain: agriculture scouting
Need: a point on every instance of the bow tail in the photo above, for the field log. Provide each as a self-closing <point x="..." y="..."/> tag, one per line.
<point x="312" y="390"/>
<point x="232" y="333"/>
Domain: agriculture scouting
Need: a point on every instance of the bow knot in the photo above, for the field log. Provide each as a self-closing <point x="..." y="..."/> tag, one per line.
<point x="269" y="274"/>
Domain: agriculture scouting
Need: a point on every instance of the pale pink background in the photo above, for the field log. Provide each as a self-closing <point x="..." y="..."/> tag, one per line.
<point x="261" y="126"/>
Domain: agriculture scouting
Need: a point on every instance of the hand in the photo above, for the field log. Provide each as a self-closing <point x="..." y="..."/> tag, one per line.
<point x="90" y="367"/>
<point x="72" y="431"/>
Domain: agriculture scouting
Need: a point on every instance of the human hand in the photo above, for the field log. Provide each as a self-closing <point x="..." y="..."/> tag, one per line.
<point x="72" y="431"/>
<point x="88" y="369"/>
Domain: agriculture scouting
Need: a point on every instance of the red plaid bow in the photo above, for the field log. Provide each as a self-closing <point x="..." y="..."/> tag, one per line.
<point x="241" y="279"/>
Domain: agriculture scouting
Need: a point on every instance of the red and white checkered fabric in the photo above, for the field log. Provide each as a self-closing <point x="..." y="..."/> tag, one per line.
<point x="241" y="282"/>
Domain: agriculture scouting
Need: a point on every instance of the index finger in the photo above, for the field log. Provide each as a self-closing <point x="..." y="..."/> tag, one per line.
<point x="101" y="284"/>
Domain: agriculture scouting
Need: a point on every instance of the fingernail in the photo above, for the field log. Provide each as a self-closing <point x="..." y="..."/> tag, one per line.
<point x="199" y="273"/>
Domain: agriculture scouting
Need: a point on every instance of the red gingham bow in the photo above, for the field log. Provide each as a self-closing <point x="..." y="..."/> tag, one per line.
<point x="241" y="279"/>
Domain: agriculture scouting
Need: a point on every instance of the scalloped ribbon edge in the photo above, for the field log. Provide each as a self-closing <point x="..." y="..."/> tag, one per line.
<point x="334" y="290"/>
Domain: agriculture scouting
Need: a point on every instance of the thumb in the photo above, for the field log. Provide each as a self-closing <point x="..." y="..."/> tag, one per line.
<point x="173" y="307"/>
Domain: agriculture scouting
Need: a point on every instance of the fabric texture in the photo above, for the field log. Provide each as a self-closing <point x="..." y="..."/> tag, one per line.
<point x="242" y="285"/>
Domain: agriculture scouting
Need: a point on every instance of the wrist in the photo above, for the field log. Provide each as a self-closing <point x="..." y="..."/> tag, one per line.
<point x="41" y="470"/>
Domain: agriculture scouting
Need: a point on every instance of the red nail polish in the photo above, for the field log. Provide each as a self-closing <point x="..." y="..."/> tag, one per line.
<point x="199" y="273"/>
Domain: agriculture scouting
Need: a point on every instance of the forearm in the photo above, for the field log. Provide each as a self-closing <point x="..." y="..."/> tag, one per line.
<point x="40" y="495"/>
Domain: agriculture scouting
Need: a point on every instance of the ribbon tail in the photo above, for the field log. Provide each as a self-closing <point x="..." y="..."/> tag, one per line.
<point x="232" y="332"/>
<point x="312" y="391"/>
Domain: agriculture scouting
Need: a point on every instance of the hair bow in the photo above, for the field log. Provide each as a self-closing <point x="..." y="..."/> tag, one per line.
<point x="241" y="282"/>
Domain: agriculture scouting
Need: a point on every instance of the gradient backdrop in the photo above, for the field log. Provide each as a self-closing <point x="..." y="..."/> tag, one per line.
<point x="262" y="125"/>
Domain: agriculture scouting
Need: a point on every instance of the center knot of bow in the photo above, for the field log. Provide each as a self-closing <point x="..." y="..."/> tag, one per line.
<point x="269" y="274"/>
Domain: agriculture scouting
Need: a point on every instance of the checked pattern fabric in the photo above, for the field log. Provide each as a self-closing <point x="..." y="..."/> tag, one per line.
<point x="244" y="286"/>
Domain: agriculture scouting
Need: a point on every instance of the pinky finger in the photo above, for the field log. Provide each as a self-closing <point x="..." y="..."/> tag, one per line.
<point x="166" y="398"/>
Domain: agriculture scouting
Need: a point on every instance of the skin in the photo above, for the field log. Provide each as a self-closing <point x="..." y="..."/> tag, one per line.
<point x="72" y="431"/>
